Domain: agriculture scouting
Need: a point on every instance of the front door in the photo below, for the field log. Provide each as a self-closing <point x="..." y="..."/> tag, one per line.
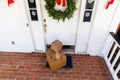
<point x="64" y="31"/>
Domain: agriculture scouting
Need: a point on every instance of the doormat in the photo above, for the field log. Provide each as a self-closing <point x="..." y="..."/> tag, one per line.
<point x="69" y="63"/>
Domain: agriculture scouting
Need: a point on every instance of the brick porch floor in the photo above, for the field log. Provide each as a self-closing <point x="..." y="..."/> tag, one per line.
<point x="31" y="66"/>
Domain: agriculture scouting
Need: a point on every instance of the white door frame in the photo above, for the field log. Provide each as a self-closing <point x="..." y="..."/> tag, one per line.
<point x="36" y="28"/>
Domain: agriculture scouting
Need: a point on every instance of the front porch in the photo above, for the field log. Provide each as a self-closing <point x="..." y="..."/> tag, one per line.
<point x="31" y="66"/>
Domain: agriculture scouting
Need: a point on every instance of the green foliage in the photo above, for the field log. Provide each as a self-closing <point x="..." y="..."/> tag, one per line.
<point x="58" y="15"/>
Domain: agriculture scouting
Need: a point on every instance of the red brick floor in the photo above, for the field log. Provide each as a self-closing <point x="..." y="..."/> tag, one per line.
<point x="31" y="66"/>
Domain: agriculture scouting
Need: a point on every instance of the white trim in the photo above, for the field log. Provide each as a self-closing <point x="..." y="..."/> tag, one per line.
<point x="107" y="60"/>
<point x="28" y="19"/>
<point x="112" y="53"/>
<point x="116" y="58"/>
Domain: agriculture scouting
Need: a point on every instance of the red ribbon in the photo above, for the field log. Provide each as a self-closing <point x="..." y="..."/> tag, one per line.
<point x="58" y="2"/>
<point x="108" y="3"/>
<point x="10" y="2"/>
<point x="63" y="2"/>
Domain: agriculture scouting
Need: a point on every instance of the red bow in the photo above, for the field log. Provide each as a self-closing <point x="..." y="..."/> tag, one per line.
<point x="58" y="2"/>
<point x="63" y="2"/>
<point x="108" y="3"/>
<point x="10" y="2"/>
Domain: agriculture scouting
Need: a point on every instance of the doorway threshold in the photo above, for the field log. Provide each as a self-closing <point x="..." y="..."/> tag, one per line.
<point x="68" y="49"/>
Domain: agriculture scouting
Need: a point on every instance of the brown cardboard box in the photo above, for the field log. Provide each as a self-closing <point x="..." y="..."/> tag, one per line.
<point x="56" y="45"/>
<point x="53" y="63"/>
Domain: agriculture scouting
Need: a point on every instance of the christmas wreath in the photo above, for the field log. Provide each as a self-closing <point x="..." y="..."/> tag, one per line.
<point x="60" y="9"/>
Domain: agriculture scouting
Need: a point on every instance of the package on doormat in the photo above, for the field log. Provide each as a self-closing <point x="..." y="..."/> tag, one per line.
<point x="55" y="56"/>
<point x="53" y="63"/>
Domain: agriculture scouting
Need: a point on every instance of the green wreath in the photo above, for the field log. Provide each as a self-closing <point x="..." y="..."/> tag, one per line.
<point x="59" y="15"/>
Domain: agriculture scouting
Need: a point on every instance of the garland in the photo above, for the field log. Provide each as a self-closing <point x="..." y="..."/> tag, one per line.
<point x="60" y="15"/>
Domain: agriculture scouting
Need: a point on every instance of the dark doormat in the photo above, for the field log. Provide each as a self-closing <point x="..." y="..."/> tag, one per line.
<point x="69" y="63"/>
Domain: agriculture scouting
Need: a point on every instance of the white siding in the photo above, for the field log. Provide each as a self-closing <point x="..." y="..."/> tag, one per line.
<point x="13" y="28"/>
<point x="100" y="26"/>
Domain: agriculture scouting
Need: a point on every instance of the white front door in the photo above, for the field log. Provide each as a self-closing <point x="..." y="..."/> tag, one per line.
<point x="64" y="31"/>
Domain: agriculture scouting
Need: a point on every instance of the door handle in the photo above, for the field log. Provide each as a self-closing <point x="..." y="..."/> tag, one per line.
<point x="45" y="26"/>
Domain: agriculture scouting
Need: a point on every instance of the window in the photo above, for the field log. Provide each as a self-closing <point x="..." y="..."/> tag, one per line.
<point x="88" y="10"/>
<point x="33" y="11"/>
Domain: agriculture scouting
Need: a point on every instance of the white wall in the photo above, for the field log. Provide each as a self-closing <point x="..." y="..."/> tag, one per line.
<point x="14" y="34"/>
<point x="116" y="19"/>
<point x="100" y="26"/>
<point x="113" y="26"/>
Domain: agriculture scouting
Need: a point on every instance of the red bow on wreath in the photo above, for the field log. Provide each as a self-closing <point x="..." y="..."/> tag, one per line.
<point x="10" y="2"/>
<point x="61" y="5"/>
<point x="63" y="2"/>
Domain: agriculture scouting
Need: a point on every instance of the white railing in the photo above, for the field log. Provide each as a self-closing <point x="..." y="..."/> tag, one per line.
<point x="111" y="51"/>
